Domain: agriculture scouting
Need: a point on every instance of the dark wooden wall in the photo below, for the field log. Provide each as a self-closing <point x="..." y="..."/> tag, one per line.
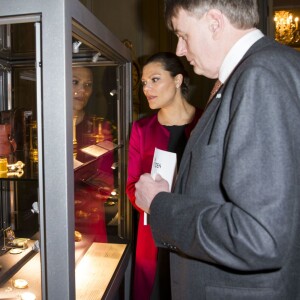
<point x="142" y="22"/>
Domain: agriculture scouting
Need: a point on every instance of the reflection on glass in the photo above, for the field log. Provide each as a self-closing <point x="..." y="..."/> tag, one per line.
<point x="94" y="151"/>
<point x="18" y="188"/>
<point x="91" y="127"/>
<point x="74" y="137"/>
<point x="3" y="164"/>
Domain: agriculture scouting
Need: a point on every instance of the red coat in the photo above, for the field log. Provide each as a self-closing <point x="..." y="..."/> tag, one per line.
<point x="146" y="134"/>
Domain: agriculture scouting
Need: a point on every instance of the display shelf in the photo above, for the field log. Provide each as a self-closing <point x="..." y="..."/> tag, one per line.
<point x="100" y="262"/>
<point x="97" y="273"/>
<point x="12" y="262"/>
<point x="31" y="272"/>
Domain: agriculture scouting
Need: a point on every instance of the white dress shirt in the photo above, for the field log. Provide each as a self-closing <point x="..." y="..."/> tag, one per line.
<point x="237" y="52"/>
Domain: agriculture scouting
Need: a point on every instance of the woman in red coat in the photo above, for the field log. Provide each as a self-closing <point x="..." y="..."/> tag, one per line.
<point x="165" y="85"/>
<point x="89" y="202"/>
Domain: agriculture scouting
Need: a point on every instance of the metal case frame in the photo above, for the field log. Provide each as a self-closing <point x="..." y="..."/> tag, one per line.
<point x="56" y="193"/>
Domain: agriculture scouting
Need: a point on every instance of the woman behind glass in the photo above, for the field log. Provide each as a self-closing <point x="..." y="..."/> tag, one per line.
<point x="165" y="85"/>
<point x="89" y="202"/>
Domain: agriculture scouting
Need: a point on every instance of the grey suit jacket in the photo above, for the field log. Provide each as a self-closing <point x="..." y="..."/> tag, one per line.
<point x="233" y="221"/>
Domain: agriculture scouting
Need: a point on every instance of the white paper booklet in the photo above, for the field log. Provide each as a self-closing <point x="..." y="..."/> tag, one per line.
<point x="164" y="164"/>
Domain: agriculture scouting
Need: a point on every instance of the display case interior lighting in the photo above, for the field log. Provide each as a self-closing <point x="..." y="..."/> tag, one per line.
<point x="113" y="92"/>
<point x="96" y="57"/>
<point x="28" y="296"/>
<point x="114" y="165"/>
<point x="35" y="208"/>
<point x="287" y="28"/>
<point x="76" y="46"/>
<point x="114" y="192"/>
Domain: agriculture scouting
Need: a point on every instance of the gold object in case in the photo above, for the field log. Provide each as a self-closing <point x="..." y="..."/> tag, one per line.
<point x="33" y="141"/>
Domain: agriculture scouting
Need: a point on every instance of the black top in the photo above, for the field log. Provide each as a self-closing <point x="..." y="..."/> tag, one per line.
<point x="177" y="141"/>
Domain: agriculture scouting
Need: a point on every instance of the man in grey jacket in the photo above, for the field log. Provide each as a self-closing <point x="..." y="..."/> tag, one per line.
<point x="232" y="222"/>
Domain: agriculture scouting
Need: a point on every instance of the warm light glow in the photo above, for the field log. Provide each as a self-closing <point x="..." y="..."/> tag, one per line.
<point x="28" y="296"/>
<point x="286" y="28"/>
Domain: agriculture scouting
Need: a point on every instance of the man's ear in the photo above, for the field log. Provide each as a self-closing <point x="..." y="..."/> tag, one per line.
<point x="216" y="21"/>
<point x="213" y="26"/>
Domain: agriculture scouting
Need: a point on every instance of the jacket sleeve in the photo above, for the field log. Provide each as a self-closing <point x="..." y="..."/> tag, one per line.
<point x="249" y="219"/>
<point x="134" y="169"/>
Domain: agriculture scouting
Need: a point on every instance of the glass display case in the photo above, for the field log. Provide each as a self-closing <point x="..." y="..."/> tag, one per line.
<point x="65" y="112"/>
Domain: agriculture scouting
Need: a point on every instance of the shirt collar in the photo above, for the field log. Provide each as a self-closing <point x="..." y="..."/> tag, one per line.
<point x="237" y="52"/>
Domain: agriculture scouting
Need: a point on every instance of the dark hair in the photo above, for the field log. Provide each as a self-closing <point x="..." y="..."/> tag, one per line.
<point x="242" y="14"/>
<point x="172" y="64"/>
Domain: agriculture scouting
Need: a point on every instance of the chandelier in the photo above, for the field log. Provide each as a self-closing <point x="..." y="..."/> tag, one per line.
<point x="287" y="28"/>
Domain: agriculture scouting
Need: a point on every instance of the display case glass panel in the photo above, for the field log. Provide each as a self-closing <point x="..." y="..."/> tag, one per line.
<point x="19" y="184"/>
<point x="37" y="211"/>
<point x="99" y="155"/>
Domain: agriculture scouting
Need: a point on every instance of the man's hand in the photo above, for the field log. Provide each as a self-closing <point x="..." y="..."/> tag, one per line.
<point x="147" y="188"/>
